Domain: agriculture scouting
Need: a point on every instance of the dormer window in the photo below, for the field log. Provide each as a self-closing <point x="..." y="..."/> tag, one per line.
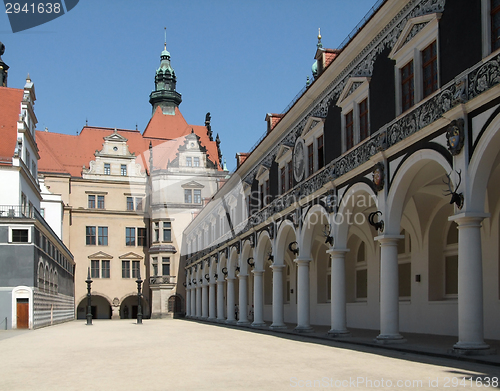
<point x="189" y="162"/>
<point x="312" y="137"/>
<point x="123" y="170"/>
<point x="107" y="168"/>
<point x="285" y="166"/>
<point x="196" y="161"/>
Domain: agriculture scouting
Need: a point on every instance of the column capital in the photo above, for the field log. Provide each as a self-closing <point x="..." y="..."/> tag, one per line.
<point x="230" y="278"/>
<point x="277" y="267"/>
<point x="220" y="282"/>
<point x="390" y="240"/>
<point x="258" y="272"/>
<point x="334" y="251"/>
<point x="240" y="276"/>
<point x="302" y="261"/>
<point x="468" y="217"/>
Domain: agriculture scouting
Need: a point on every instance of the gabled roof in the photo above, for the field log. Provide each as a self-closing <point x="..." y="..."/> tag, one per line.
<point x="10" y="108"/>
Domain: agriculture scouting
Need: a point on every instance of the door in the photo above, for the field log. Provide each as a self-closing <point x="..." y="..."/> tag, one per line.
<point x="23" y="314"/>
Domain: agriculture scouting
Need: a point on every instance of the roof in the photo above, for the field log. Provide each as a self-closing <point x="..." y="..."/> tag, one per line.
<point x="67" y="154"/>
<point x="10" y="104"/>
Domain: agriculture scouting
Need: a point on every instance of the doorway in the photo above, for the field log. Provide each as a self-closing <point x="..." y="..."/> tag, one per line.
<point x="23" y="313"/>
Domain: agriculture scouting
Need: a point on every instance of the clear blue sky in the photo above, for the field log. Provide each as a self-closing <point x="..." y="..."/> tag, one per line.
<point x="238" y="59"/>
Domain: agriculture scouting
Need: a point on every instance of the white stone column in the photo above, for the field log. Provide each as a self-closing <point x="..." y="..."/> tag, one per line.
<point x="389" y="289"/>
<point x="220" y="301"/>
<point x="212" y="315"/>
<point x="338" y="310"/>
<point x="204" y="301"/>
<point x="303" y="310"/>
<point x="278" y="318"/>
<point x="198" y="300"/>
<point x="193" y="302"/>
<point x="470" y="283"/>
<point x="242" y="302"/>
<point x="231" y="302"/>
<point x="188" y="301"/>
<point x="258" y="298"/>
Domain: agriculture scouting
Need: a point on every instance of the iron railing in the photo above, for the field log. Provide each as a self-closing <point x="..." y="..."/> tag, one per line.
<point x="16" y="211"/>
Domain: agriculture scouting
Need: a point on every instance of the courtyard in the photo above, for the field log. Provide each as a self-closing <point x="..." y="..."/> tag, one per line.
<point x="187" y="355"/>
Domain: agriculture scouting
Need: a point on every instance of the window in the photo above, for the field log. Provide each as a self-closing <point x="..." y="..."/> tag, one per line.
<point x="141" y="237"/>
<point x="130" y="236"/>
<point x="20" y="236"/>
<point x="349" y="130"/>
<point x="188" y="196"/>
<point x="495" y="24"/>
<point x="197" y="196"/>
<point x="196" y="162"/>
<point x="283" y="179"/>
<point x="290" y="174"/>
<point x="107" y="169"/>
<point x="429" y="69"/>
<point x="123" y="170"/>
<point x="451" y="262"/>
<point x="404" y="267"/>
<point x="363" y="120"/>
<point x="91" y="201"/>
<point x="165" y="266"/>
<point x="105" y="266"/>
<point x="102" y="236"/>
<point x="28" y="159"/>
<point x="136" y="269"/>
<point x="267" y="191"/>
<point x="138" y="203"/>
<point x="321" y="156"/>
<point x="33" y="168"/>
<point x="310" y="158"/>
<point x="100" y="202"/>
<point x="361" y="273"/>
<point x="407" y="86"/>
<point x="157" y="231"/>
<point x="155" y="266"/>
<point x="90" y="235"/>
<point x="125" y="269"/>
<point x="167" y="231"/>
<point x="130" y="203"/>
<point x="94" y="269"/>
<point x="189" y="162"/>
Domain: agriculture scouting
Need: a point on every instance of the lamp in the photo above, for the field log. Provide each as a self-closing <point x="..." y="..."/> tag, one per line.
<point x="251" y="264"/>
<point x="327" y="231"/>
<point x="224" y="271"/>
<point x="379" y="225"/>
<point x="139" y="307"/>
<point x="294" y="248"/>
<point x="89" y="299"/>
<point x="207" y="277"/>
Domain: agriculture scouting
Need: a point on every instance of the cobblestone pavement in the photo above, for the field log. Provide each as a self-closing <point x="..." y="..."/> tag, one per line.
<point x="183" y="355"/>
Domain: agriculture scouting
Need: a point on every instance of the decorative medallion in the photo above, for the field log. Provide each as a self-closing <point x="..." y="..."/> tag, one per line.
<point x="299" y="160"/>
<point x="116" y="302"/>
<point x="378" y="176"/>
<point x="455" y="136"/>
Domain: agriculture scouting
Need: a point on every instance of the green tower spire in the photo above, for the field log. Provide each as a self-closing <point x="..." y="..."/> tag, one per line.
<point x="165" y="94"/>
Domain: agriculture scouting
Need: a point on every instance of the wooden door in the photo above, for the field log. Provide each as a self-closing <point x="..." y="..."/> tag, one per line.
<point x="23" y="313"/>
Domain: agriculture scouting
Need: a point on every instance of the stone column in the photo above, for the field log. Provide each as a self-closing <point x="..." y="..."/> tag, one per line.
<point x="278" y="322"/>
<point x="198" y="301"/>
<point x="470" y="283"/>
<point x="338" y="314"/>
<point x="303" y="315"/>
<point x="188" y="302"/>
<point x="389" y="290"/>
<point x="212" y="316"/>
<point x="230" y="301"/>
<point x="220" y="301"/>
<point x="258" y="298"/>
<point x="242" y="303"/>
<point x="193" y="302"/>
<point x="204" y="301"/>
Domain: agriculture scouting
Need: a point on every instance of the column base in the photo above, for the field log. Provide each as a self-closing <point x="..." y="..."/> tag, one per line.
<point x="385" y="339"/>
<point x="278" y="327"/>
<point x="230" y="321"/>
<point x="303" y="329"/>
<point x="203" y="317"/>
<point x="243" y="323"/>
<point x="221" y="320"/>
<point x="259" y="324"/>
<point x="339" y="333"/>
<point x="212" y="319"/>
<point x="472" y="349"/>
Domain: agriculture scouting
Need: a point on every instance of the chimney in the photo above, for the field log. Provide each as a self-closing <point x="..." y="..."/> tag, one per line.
<point x="240" y="158"/>
<point x="272" y="120"/>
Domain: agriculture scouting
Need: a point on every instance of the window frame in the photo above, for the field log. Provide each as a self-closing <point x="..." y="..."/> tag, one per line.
<point x="101" y="236"/>
<point x="13" y="228"/>
<point x="107" y="169"/>
<point x="89" y="234"/>
<point x="129" y="240"/>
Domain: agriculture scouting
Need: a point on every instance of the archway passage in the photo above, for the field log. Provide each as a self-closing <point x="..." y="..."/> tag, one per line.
<point x="129" y="307"/>
<point x="100" y="307"/>
<point x="175" y="306"/>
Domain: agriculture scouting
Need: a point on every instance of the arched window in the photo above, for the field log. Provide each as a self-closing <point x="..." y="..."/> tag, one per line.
<point x="47" y="278"/>
<point x="404" y="261"/>
<point x="41" y="281"/>
<point x="451" y="262"/>
<point x="361" y="273"/>
<point x="56" y="282"/>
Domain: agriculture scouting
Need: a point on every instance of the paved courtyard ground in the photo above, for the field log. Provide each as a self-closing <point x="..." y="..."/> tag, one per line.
<point x="186" y="355"/>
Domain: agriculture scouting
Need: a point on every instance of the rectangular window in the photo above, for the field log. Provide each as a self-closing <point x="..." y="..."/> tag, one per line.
<point x="429" y="69"/>
<point x="138" y="203"/>
<point x="130" y="236"/>
<point x="361" y="284"/>
<point x="135" y="269"/>
<point x="90" y="235"/>
<point x="189" y="162"/>
<point x="91" y="201"/>
<point x="310" y="158"/>
<point x="141" y="237"/>
<point x="167" y="231"/>
<point x="100" y="202"/>
<point x="165" y="266"/>
<point x="102" y="236"/>
<point x="321" y="156"/>
<point x="197" y="196"/>
<point x="105" y="265"/>
<point x="155" y="266"/>
<point x="125" y="269"/>
<point x="495" y="24"/>
<point x="363" y="120"/>
<point x="349" y="130"/>
<point x="123" y="170"/>
<point x="20" y="236"/>
<point x="107" y="169"/>
<point x="157" y="231"/>
<point x="94" y="269"/>
<point x="262" y="196"/>
<point x="404" y="280"/>
<point x="451" y="275"/>
<point x="290" y="174"/>
<point x="282" y="179"/>
<point x="196" y="162"/>
<point x="267" y="191"/>
<point x="130" y="203"/>
<point x="407" y="86"/>
<point x="188" y="196"/>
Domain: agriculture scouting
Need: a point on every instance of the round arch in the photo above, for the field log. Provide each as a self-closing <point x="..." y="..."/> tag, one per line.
<point x="286" y="235"/>
<point x="316" y="215"/>
<point x="263" y="243"/>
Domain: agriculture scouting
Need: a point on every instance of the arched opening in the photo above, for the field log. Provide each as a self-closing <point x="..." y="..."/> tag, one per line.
<point x="129" y="308"/>
<point x="175" y="306"/>
<point x="100" y="308"/>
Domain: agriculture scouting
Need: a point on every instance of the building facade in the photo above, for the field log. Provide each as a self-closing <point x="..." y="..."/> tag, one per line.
<point x="127" y="196"/>
<point x="36" y="268"/>
<point x="371" y="203"/>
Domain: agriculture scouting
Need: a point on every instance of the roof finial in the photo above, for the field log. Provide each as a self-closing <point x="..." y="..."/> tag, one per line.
<point x="165" y="38"/>
<point x="320" y="45"/>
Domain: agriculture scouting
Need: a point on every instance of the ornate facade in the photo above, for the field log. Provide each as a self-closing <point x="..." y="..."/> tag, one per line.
<point x="341" y="215"/>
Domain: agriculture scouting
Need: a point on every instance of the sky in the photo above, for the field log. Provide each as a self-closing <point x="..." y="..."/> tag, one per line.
<point x="237" y="59"/>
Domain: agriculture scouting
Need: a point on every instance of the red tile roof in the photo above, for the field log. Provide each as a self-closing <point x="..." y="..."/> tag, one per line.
<point x="10" y="108"/>
<point x="61" y="153"/>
